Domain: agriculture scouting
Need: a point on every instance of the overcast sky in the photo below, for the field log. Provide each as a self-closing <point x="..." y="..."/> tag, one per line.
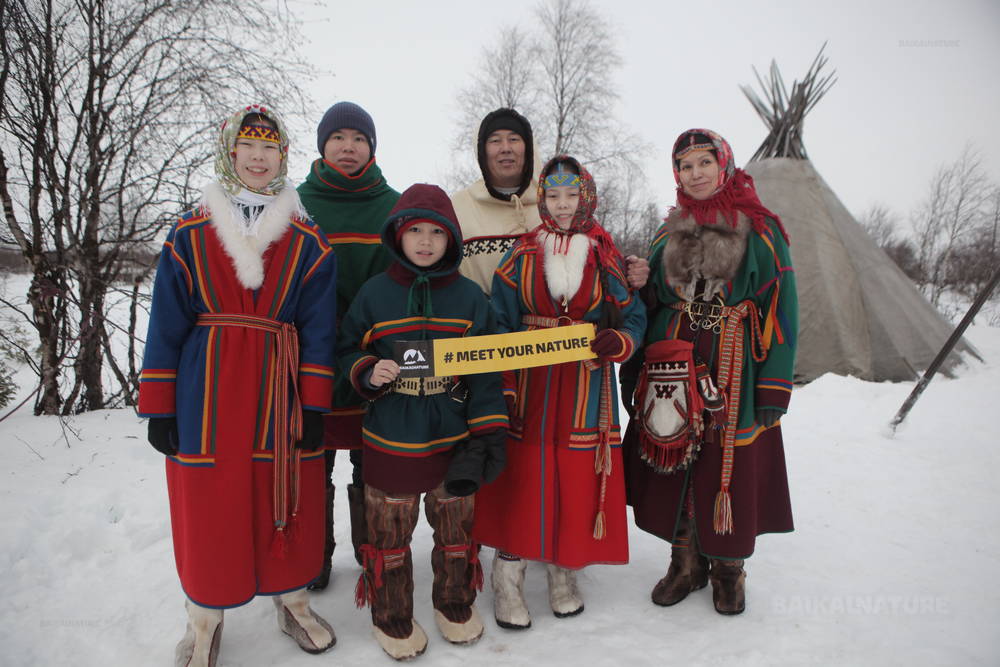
<point x="917" y="80"/>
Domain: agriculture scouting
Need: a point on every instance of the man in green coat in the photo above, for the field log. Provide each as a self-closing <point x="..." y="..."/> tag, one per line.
<point x="347" y="196"/>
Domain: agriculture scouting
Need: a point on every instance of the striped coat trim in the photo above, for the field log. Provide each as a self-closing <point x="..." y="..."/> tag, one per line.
<point x="347" y="238"/>
<point x="777" y="384"/>
<point x="488" y="423"/>
<point x="412" y="449"/>
<point x="457" y="327"/>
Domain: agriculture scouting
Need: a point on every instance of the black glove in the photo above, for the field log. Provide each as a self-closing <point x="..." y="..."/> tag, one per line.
<point x="767" y="417"/>
<point x="312" y="431"/>
<point x="496" y="454"/>
<point x="162" y="435"/>
<point x="465" y="471"/>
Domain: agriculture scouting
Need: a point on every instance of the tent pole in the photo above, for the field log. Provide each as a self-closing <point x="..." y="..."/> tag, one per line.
<point x="939" y="359"/>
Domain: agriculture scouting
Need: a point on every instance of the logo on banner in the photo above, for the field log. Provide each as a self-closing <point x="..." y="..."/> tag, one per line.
<point x="412" y="357"/>
<point x="494" y="352"/>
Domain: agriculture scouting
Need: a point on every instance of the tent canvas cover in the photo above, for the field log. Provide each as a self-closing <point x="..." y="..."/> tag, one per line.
<point x="859" y="314"/>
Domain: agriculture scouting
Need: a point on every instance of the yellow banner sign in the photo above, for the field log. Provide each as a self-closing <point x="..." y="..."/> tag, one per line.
<point x="498" y="352"/>
<point x="523" y="349"/>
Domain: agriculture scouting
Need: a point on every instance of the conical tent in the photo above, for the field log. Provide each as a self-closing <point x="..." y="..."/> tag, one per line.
<point x="859" y="314"/>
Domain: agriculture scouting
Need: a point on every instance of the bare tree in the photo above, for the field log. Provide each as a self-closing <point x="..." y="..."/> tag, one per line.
<point x="561" y="77"/>
<point x="626" y="208"/>
<point x="883" y="226"/>
<point x="881" y="223"/>
<point x="107" y="110"/>
<point x="953" y="207"/>
<point x="975" y="258"/>
<point x="579" y="61"/>
<point x="505" y="76"/>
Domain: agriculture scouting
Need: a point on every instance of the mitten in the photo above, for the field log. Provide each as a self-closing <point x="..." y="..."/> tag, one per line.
<point x="496" y="454"/>
<point x="312" y="431"/>
<point x="466" y="468"/>
<point x="767" y="417"/>
<point x="611" y="345"/>
<point x="162" y="435"/>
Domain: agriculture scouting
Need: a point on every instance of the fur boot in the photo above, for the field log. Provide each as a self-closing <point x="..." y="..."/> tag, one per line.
<point x="298" y="620"/>
<point x="323" y="580"/>
<point x="455" y="561"/>
<point x="200" y="645"/>
<point x="507" y="579"/>
<point x="402" y="649"/>
<point x="389" y="572"/>
<point x="359" y="524"/>
<point x="688" y="571"/>
<point x="728" y="586"/>
<point x="564" y="595"/>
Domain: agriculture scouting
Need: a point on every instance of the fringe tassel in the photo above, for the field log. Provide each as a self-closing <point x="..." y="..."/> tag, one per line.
<point x="600" y="530"/>
<point x="364" y="592"/>
<point x="279" y="544"/>
<point x="666" y="458"/>
<point x="370" y="578"/>
<point x="722" y="521"/>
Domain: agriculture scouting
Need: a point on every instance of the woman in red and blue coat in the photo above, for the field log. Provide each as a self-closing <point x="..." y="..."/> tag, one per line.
<point x="237" y="373"/>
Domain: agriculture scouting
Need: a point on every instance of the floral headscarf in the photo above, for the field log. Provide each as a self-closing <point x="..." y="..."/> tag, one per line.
<point x="583" y="220"/>
<point x="688" y="142"/>
<point x="225" y="152"/>
<point x="734" y="192"/>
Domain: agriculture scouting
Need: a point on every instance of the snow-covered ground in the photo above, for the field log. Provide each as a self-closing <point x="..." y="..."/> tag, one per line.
<point x="893" y="562"/>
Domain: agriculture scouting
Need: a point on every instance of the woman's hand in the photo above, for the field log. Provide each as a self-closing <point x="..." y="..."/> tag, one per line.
<point x="384" y="371"/>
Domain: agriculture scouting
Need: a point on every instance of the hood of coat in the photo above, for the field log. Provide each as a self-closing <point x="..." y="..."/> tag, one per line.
<point x="425" y="202"/>
<point x="507" y="119"/>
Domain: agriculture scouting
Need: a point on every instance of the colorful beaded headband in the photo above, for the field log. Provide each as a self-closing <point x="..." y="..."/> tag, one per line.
<point x="561" y="179"/>
<point x="262" y="132"/>
<point x="693" y="147"/>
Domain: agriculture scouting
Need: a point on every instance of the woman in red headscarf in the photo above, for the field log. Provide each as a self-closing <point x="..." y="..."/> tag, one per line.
<point x="704" y="461"/>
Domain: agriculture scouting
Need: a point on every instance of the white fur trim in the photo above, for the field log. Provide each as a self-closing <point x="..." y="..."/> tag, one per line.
<point x="247" y="252"/>
<point x="402" y="649"/>
<point x="564" y="271"/>
<point x="460" y="633"/>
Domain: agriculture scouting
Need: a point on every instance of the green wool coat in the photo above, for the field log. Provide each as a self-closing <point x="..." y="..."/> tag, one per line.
<point x="759" y="484"/>
<point x="350" y="210"/>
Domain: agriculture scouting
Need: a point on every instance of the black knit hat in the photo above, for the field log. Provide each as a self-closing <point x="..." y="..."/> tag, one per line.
<point x="349" y="115"/>
<point x="506" y="119"/>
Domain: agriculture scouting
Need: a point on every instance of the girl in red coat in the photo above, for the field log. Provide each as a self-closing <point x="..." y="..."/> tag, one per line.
<point x="561" y="499"/>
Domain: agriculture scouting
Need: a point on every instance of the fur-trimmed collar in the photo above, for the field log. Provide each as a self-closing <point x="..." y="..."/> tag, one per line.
<point x="247" y="252"/>
<point x="564" y="270"/>
<point x="709" y="252"/>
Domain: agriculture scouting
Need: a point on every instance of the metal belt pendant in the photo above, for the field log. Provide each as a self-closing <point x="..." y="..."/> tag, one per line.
<point x="706" y="315"/>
